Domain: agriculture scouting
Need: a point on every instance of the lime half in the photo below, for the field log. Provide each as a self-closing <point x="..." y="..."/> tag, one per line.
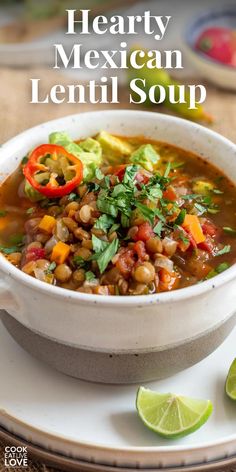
<point x="230" y="386"/>
<point x="169" y="415"/>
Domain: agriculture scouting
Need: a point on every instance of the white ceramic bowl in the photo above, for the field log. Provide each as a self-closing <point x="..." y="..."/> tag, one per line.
<point x="138" y="326"/>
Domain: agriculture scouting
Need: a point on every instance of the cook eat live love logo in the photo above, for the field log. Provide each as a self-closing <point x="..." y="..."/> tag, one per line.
<point x="16" y="456"/>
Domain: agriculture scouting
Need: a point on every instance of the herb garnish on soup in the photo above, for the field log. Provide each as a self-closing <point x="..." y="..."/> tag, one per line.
<point x="117" y="216"/>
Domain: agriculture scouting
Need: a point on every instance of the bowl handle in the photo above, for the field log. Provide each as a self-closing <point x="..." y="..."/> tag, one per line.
<point x="7" y="300"/>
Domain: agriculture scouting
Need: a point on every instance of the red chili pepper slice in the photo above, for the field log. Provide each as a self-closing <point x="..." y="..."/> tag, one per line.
<point x="52" y="189"/>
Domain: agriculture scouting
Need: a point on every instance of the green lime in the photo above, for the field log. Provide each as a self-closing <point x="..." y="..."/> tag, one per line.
<point x="170" y="415"/>
<point x="230" y="385"/>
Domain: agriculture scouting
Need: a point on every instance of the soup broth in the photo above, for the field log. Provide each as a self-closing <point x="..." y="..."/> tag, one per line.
<point x="117" y="216"/>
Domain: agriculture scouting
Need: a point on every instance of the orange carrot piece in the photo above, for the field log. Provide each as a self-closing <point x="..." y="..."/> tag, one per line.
<point x="192" y="224"/>
<point x="47" y="223"/>
<point x="60" y="252"/>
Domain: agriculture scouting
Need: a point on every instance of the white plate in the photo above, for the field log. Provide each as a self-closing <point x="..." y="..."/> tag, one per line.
<point x="99" y="423"/>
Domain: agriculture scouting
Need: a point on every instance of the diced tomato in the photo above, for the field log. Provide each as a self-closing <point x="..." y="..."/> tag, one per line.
<point x="209" y="228"/>
<point x="170" y="194"/>
<point x="191" y="238"/>
<point x="207" y="245"/>
<point x="142" y="178"/>
<point x="144" y="232"/>
<point x="126" y="262"/>
<point x="119" y="171"/>
<point x="168" y="281"/>
<point x="34" y="254"/>
<point x="140" y="249"/>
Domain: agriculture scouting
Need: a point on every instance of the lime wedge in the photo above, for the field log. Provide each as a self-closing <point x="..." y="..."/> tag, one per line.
<point x="230" y="386"/>
<point x="169" y="415"/>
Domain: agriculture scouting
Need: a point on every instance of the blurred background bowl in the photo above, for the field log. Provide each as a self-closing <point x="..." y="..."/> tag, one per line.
<point x="216" y="72"/>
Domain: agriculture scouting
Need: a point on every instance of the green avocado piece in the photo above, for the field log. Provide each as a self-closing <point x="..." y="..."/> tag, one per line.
<point x="146" y="157"/>
<point x="113" y="147"/>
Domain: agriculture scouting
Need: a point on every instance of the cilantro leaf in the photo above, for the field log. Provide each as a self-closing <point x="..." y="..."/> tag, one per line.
<point x="98" y="244"/>
<point x="98" y="174"/>
<point x="124" y="220"/>
<point x="72" y="196"/>
<point x="29" y="211"/>
<point x="106" y="204"/>
<point x="221" y="268"/>
<point x="89" y="276"/>
<point x="50" y="268"/>
<point x="104" y="222"/>
<point x="147" y="213"/>
<point x="180" y="218"/>
<point x="106" y="256"/>
<point x="117" y="190"/>
<point x="225" y="250"/>
<point x="200" y="208"/>
<point x="114" y="227"/>
<point x="130" y="173"/>
<point x="168" y="169"/>
<point x="9" y="250"/>
<point x="229" y="230"/>
<point x="79" y="262"/>
<point x="158" y="228"/>
<point x="177" y="165"/>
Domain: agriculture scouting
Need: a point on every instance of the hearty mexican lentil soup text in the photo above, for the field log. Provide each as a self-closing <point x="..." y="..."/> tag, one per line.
<point x="117" y="216"/>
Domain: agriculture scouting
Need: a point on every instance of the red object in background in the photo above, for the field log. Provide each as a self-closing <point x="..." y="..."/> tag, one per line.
<point x="219" y="44"/>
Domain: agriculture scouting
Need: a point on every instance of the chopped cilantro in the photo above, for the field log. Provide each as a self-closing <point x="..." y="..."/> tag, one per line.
<point x="79" y="262"/>
<point x="177" y="165"/>
<point x="106" y="256"/>
<point x="213" y="210"/>
<point x="221" y="268"/>
<point x="158" y="228"/>
<point x="190" y="196"/>
<point x="50" y="268"/>
<point x="180" y="218"/>
<point x="104" y="222"/>
<point x="200" y="208"/>
<point x="130" y="173"/>
<point x="72" y="196"/>
<point x="229" y="230"/>
<point x="124" y="221"/>
<point x="89" y="276"/>
<point x="114" y="227"/>
<point x="118" y="190"/>
<point x="98" y="244"/>
<point x="225" y="250"/>
<point x="147" y="212"/>
<point x="9" y="250"/>
<point x="168" y="169"/>
<point x="106" y="204"/>
<point x="98" y="174"/>
<point x="29" y="211"/>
